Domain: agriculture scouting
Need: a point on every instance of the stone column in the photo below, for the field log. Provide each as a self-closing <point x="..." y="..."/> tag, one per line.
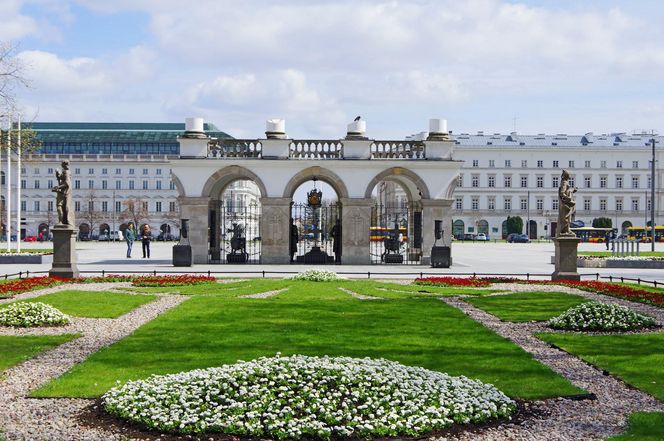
<point x="275" y="230"/>
<point x="355" y="223"/>
<point x="197" y="210"/>
<point x="432" y="210"/>
<point x="566" y="255"/>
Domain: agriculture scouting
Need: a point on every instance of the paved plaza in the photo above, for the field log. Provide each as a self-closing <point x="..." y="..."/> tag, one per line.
<point x="468" y="258"/>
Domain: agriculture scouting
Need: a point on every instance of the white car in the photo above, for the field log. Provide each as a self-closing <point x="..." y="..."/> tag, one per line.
<point x="481" y="236"/>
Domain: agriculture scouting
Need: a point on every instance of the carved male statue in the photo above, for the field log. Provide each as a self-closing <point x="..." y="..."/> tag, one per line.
<point x="566" y="206"/>
<point x="63" y="195"/>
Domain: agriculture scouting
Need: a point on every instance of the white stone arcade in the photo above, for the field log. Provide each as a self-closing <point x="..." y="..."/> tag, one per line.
<point x="352" y="166"/>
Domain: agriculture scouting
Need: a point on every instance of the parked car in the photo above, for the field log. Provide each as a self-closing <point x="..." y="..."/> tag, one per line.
<point x="521" y="238"/>
<point x="481" y="236"/>
<point x="30" y="239"/>
<point x="511" y="236"/>
<point x="164" y="236"/>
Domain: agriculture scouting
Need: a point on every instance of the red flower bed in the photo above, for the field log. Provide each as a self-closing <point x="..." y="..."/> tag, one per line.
<point x="22" y="285"/>
<point x="178" y="280"/>
<point x="619" y="290"/>
<point x="452" y="281"/>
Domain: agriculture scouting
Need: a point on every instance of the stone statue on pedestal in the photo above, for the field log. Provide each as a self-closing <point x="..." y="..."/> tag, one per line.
<point x="566" y="206"/>
<point x="63" y="195"/>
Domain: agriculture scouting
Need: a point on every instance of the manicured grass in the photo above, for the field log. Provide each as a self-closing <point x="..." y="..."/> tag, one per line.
<point x="608" y="253"/>
<point x="313" y="319"/>
<point x="638" y="359"/>
<point x="233" y="289"/>
<point x="527" y="306"/>
<point x="397" y="291"/>
<point x="15" y="349"/>
<point x="643" y="426"/>
<point x="95" y="304"/>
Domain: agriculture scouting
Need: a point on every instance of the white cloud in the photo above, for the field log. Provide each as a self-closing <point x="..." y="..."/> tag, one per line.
<point x="50" y="73"/>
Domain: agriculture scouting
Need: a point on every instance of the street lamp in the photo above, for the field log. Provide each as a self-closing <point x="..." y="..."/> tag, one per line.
<point x="652" y="195"/>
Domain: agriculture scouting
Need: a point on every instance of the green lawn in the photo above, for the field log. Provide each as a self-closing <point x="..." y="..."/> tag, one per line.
<point x="643" y="426"/>
<point x="95" y="304"/>
<point x="313" y="319"/>
<point x="15" y="349"/>
<point x="527" y="306"/>
<point x="638" y="359"/>
<point x="398" y="291"/>
<point x="241" y="287"/>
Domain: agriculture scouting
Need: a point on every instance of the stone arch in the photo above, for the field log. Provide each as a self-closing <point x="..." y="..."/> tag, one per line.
<point x="397" y="174"/>
<point x="625" y="225"/>
<point x="222" y="177"/>
<point x="458" y="229"/>
<point x="483" y="227"/>
<point x="178" y="184"/>
<point x="321" y="174"/>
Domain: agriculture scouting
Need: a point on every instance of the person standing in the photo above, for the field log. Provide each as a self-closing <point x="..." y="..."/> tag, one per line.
<point x="130" y="237"/>
<point x="146" y="237"/>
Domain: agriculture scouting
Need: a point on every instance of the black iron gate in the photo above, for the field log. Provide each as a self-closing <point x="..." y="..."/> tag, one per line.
<point x="395" y="234"/>
<point x="234" y="233"/>
<point x="316" y="233"/>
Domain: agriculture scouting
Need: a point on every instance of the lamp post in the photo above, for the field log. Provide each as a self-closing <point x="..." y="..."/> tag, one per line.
<point x="113" y="215"/>
<point x="652" y="195"/>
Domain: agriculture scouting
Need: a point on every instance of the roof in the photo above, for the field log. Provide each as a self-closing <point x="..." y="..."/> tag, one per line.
<point x="107" y="126"/>
<point x="559" y="140"/>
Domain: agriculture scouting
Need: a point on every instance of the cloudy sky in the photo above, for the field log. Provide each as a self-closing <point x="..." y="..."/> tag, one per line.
<point x="540" y="66"/>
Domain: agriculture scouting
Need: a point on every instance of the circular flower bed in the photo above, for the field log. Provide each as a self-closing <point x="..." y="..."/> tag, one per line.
<point x="597" y="316"/>
<point x="317" y="276"/>
<point x="28" y="314"/>
<point x="300" y="396"/>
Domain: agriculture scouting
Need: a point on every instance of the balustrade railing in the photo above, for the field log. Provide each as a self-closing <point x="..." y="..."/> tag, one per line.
<point x="234" y="148"/>
<point x="397" y="150"/>
<point x="308" y="149"/>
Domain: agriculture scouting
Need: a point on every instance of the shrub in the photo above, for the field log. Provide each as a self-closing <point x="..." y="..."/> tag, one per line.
<point x="317" y="276"/>
<point x="597" y="316"/>
<point x="28" y="314"/>
<point x="299" y="396"/>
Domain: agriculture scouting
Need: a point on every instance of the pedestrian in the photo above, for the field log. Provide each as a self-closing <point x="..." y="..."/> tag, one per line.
<point x="146" y="237"/>
<point x="130" y="236"/>
<point x="607" y="239"/>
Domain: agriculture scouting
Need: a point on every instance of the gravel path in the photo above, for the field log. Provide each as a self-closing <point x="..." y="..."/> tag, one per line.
<point x="359" y="296"/>
<point x="263" y="295"/>
<point x="55" y="419"/>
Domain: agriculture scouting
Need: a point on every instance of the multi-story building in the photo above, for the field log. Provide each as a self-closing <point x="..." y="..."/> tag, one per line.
<point x="519" y="175"/>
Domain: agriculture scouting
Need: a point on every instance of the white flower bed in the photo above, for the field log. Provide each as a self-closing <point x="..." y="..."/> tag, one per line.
<point x="317" y="276"/>
<point x="597" y="316"/>
<point x="28" y="314"/>
<point x="300" y="396"/>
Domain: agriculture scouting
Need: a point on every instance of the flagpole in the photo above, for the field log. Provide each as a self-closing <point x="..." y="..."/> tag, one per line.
<point x="8" y="180"/>
<point x="18" y="188"/>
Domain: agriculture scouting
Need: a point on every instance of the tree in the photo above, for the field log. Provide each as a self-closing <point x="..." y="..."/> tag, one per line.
<point x="135" y="211"/>
<point x="514" y="224"/>
<point x="602" y="222"/>
<point x="90" y="212"/>
<point x="11" y="76"/>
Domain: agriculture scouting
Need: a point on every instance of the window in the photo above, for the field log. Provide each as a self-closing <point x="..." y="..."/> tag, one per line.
<point x="36" y="171"/>
<point x="145" y="205"/>
<point x="37" y="184"/>
<point x="118" y="185"/>
<point x="77" y="206"/>
<point x="635" y="204"/>
<point x="118" y="171"/>
<point x="77" y="184"/>
<point x="91" y="206"/>
<point x="602" y="164"/>
<point x="619" y="182"/>
<point x="475" y="203"/>
<point x="158" y="171"/>
<point x="492" y="163"/>
<point x="540" y="203"/>
<point x="602" y="182"/>
<point x="540" y="164"/>
<point x="602" y="204"/>
<point x="458" y="203"/>
<point x="104" y="206"/>
<point x="24" y="206"/>
<point x="131" y="171"/>
<point x="91" y="184"/>
<point x="492" y="181"/>
<point x="571" y="164"/>
<point x="619" y="164"/>
<point x="635" y="164"/>
<point x="49" y="206"/>
<point x="475" y="180"/>
<point x="524" y="181"/>
<point x="491" y="203"/>
<point x="131" y="185"/>
<point x="104" y="171"/>
<point x="171" y="185"/>
<point x="635" y="182"/>
<point x="157" y="206"/>
<point x="37" y="207"/>
<point x="171" y="206"/>
<point x="145" y="171"/>
<point x="619" y="204"/>
<point x="524" y="163"/>
<point x="555" y="164"/>
<point x="50" y="170"/>
<point x="49" y="183"/>
<point x="587" y="164"/>
<point x="586" y="204"/>
<point x="507" y="203"/>
<point x="508" y="163"/>
<point x="508" y="181"/>
<point x="23" y="170"/>
<point x="77" y="170"/>
<point x="24" y="183"/>
<point x="554" y="203"/>
<point x="158" y="185"/>
<point x="476" y="163"/>
<point x="540" y="182"/>
<point x="555" y="181"/>
<point x="104" y="184"/>
<point x="145" y="185"/>
<point x="587" y="181"/>
<point x="524" y="204"/>
<point x="91" y="171"/>
<point x="118" y="206"/>
<point x="571" y="181"/>
<point x="459" y="181"/>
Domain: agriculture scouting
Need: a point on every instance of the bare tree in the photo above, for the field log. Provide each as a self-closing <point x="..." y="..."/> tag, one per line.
<point x="135" y="211"/>
<point x="173" y="217"/>
<point x="90" y="212"/>
<point x="11" y="76"/>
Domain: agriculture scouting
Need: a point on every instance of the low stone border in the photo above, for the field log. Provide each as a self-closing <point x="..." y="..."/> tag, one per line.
<point x="29" y="259"/>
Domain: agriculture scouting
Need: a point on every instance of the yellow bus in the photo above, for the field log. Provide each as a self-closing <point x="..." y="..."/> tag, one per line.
<point x="645" y="234"/>
<point x="592" y="234"/>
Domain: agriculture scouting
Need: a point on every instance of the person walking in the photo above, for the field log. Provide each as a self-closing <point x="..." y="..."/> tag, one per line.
<point x="146" y="237"/>
<point x="130" y="237"/>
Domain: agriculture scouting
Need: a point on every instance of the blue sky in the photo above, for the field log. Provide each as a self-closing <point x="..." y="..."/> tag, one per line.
<point x="557" y="67"/>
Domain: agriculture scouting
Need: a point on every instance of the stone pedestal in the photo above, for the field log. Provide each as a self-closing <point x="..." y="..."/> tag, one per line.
<point x="275" y="230"/>
<point x="355" y="223"/>
<point x="64" y="252"/>
<point x="432" y="210"/>
<point x="566" y="268"/>
<point x="197" y="210"/>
